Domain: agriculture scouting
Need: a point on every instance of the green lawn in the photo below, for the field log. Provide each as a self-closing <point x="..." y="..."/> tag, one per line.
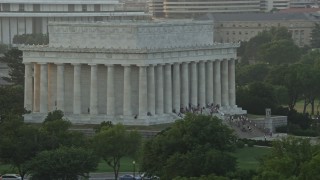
<point x="4" y="168"/>
<point x="126" y="165"/>
<point x="247" y="157"/>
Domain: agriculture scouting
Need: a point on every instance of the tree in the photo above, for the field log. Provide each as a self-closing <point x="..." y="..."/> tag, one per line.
<point x="18" y="143"/>
<point x="310" y="78"/>
<point x="251" y="73"/>
<point x="195" y="146"/>
<point x="56" y="133"/>
<point x="11" y="100"/>
<point x="65" y="163"/>
<point x="279" y="52"/>
<point x="315" y="36"/>
<point x="13" y="58"/>
<point x="256" y="97"/>
<point x="113" y="143"/>
<point x="288" y="77"/>
<point x="287" y="159"/>
<point x="275" y="34"/>
<point x="251" y="48"/>
<point x="311" y="169"/>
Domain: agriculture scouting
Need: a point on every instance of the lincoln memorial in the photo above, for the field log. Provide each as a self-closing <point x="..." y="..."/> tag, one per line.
<point x="135" y="73"/>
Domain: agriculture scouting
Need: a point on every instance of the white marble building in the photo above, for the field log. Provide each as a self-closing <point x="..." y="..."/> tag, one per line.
<point x="132" y="73"/>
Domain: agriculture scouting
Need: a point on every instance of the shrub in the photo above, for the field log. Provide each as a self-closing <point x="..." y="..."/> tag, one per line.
<point x="250" y="143"/>
<point x="282" y="129"/>
<point x="240" y="144"/>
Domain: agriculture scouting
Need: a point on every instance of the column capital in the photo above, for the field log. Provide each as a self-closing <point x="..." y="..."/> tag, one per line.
<point x="76" y="64"/>
<point x="126" y="65"/>
<point x="92" y="64"/>
<point x="59" y="64"/>
<point x="109" y="65"/>
<point x="142" y="65"/>
<point x="42" y="63"/>
<point x="27" y="63"/>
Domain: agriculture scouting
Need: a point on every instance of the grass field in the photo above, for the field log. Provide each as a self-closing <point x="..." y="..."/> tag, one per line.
<point x="247" y="157"/>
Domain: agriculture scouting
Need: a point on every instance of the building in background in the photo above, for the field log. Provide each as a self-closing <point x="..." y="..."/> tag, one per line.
<point x="32" y="16"/>
<point x="242" y="27"/>
<point x="194" y="8"/>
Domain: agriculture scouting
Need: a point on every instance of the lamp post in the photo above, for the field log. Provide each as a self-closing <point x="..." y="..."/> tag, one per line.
<point x="134" y="169"/>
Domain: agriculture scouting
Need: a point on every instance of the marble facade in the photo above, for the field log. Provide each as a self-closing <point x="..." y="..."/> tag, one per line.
<point x="131" y="73"/>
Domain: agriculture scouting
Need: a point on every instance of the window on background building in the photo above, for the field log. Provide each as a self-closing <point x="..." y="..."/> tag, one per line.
<point x="97" y="8"/>
<point x="21" y="7"/>
<point x="6" y="7"/>
<point x="97" y="18"/>
<point x="36" y="7"/>
<point x="84" y="7"/>
<point x="71" y="7"/>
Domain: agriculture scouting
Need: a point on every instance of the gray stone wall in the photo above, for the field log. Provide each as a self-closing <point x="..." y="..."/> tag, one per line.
<point x="131" y="35"/>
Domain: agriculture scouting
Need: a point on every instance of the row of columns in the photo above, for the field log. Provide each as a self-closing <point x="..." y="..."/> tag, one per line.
<point x="162" y="88"/>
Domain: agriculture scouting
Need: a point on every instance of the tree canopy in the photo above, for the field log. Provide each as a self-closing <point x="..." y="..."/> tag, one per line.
<point x="197" y="145"/>
<point x="13" y="58"/>
<point x="289" y="159"/>
<point x="112" y="143"/>
<point x="65" y="163"/>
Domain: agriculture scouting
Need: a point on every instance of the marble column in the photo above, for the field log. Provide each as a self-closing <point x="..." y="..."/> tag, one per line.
<point x="44" y="88"/>
<point x="76" y="88"/>
<point x="185" y="85"/>
<point x="159" y="90"/>
<point x="209" y="83"/>
<point x="151" y="90"/>
<point x="224" y="84"/>
<point x="143" y="94"/>
<point x="202" y="84"/>
<point x="168" y="89"/>
<point x="127" y="111"/>
<point x="36" y="88"/>
<point x="94" y="89"/>
<point x="28" y="93"/>
<point x="194" y="84"/>
<point x="60" y="87"/>
<point x="110" y="91"/>
<point x="217" y="83"/>
<point x="176" y="87"/>
<point x="232" y="83"/>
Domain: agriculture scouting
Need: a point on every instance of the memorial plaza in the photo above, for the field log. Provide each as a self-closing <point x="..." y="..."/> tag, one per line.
<point x="135" y="73"/>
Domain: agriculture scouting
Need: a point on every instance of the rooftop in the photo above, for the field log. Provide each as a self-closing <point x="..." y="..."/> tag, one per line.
<point x="256" y="16"/>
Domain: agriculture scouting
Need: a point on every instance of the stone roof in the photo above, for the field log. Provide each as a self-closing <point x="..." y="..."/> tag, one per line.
<point x="256" y="16"/>
<point x="46" y="48"/>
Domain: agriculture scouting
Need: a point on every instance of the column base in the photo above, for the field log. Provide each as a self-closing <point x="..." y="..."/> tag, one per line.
<point x="97" y="119"/>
